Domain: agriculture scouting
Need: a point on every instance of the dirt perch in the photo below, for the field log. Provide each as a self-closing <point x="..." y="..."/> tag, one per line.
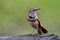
<point x="31" y="37"/>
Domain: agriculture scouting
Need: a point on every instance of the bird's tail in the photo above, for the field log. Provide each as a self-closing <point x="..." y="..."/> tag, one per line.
<point x="44" y="30"/>
<point x="41" y="29"/>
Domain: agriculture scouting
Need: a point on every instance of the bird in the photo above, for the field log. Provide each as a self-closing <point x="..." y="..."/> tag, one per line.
<point x="33" y="20"/>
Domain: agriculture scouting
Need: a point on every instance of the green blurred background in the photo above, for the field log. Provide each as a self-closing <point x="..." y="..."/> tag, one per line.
<point x="13" y="15"/>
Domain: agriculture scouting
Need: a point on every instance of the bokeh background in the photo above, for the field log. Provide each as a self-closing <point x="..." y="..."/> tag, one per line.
<point x="13" y="15"/>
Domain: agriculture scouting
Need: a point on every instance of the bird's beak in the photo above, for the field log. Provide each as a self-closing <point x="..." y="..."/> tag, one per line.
<point x="37" y="8"/>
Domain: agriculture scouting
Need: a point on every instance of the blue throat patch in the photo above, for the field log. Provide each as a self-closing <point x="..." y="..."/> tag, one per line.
<point x="30" y="14"/>
<point x="31" y="17"/>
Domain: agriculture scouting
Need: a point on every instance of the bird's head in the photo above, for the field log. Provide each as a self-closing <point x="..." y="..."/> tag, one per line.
<point x="34" y="9"/>
<point x="32" y="12"/>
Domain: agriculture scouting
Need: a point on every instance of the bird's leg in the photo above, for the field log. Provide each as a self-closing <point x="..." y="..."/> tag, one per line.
<point x="32" y="31"/>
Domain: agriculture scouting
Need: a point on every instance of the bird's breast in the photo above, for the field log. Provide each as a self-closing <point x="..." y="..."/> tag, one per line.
<point x="31" y="20"/>
<point x="34" y="24"/>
